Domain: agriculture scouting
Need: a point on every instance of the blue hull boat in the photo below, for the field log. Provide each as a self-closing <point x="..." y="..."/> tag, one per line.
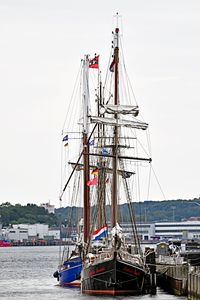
<point x="70" y="272"/>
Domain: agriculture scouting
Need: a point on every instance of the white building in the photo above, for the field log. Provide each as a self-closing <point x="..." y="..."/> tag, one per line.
<point x="54" y="233"/>
<point x="145" y="231"/>
<point x="20" y="232"/>
<point x="179" y="230"/>
<point x="34" y="230"/>
<point x="50" y="208"/>
<point x="165" y="230"/>
<point x="17" y="234"/>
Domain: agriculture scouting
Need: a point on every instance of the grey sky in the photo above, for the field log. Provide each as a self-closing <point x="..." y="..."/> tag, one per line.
<point x="41" y="44"/>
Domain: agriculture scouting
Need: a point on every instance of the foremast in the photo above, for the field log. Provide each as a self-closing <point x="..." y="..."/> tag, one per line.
<point x="86" y="194"/>
<point x="101" y="217"/>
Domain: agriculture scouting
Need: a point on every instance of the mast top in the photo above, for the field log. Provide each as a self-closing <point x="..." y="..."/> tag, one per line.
<point x="117" y="19"/>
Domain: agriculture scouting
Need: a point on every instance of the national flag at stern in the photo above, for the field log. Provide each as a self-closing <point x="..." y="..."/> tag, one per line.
<point x="94" y="63"/>
<point x="100" y="232"/>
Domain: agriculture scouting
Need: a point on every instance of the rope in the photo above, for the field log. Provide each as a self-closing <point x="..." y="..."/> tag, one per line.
<point x="72" y="102"/>
<point x="76" y="164"/>
<point x="158" y="183"/>
<point x="121" y="282"/>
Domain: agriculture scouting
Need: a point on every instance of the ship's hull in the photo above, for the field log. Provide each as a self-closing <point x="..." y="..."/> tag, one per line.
<point x="113" y="277"/>
<point x="5" y="244"/>
<point x="70" y="273"/>
<point x="71" y="276"/>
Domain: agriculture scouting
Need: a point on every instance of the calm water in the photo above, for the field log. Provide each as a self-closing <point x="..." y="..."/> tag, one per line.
<point x="26" y="273"/>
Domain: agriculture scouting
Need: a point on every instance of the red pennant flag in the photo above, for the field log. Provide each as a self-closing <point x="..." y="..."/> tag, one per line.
<point x="92" y="181"/>
<point x="94" y="63"/>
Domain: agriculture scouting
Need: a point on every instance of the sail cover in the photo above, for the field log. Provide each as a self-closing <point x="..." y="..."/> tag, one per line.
<point x="119" y="122"/>
<point x="120" y="109"/>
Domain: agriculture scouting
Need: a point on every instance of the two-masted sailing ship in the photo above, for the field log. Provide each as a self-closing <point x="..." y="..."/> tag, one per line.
<point x="109" y="162"/>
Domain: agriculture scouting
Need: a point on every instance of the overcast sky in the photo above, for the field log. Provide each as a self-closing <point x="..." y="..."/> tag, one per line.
<point x="41" y="44"/>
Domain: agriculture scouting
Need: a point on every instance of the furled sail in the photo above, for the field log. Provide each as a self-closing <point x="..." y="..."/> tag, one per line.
<point x="119" y="122"/>
<point x="119" y="109"/>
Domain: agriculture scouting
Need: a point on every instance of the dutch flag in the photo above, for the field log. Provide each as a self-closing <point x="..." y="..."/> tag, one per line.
<point x="100" y="232"/>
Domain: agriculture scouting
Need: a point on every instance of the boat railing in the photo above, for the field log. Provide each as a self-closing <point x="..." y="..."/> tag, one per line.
<point x="130" y="257"/>
<point x="100" y="256"/>
<point x="170" y="260"/>
<point x="106" y="255"/>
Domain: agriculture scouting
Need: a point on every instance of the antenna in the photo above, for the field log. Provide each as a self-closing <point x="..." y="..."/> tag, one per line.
<point x="116" y="19"/>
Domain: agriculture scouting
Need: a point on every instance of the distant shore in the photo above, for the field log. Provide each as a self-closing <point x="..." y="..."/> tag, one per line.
<point x="37" y="243"/>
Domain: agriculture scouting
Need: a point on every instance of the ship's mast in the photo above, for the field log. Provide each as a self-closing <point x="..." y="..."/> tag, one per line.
<point x="115" y="146"/>
<point x="85" y="96"/>
<point x="101" y="182"/>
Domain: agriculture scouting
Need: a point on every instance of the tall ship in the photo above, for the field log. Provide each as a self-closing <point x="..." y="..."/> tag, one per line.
<point x="109" y="160"/>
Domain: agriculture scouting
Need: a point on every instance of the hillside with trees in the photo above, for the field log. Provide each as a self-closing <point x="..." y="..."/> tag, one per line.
<point x="28" y="214"/>
<point x="147" y="211"/>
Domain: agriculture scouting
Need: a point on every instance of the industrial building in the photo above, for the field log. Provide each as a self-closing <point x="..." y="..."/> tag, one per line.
<point x="22" y="232"/>
<point x="146" y="231"/>
<point x="165" y="230"/>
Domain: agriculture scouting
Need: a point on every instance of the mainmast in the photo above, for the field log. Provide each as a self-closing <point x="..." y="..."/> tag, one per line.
<point x="85" y="96"/>
<point x="115" y="146"/>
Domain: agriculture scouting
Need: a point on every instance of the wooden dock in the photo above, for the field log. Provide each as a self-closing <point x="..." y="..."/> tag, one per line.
<point x="173" y="277"/>
<point x="194" y="283"/>
<point x="180" y="280"/>
<point x="178" y="272"/>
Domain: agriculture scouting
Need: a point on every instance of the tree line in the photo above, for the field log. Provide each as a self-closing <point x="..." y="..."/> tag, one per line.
<point x="28" y="214"/>
<point x="147" y="211"/>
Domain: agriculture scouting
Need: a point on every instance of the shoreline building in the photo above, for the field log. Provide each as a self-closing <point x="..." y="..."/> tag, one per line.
<point x="178" y="230"/>
<point x="146" y="231"/>
<point x="164" y="230"/>
<point x="21" y="232"/>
